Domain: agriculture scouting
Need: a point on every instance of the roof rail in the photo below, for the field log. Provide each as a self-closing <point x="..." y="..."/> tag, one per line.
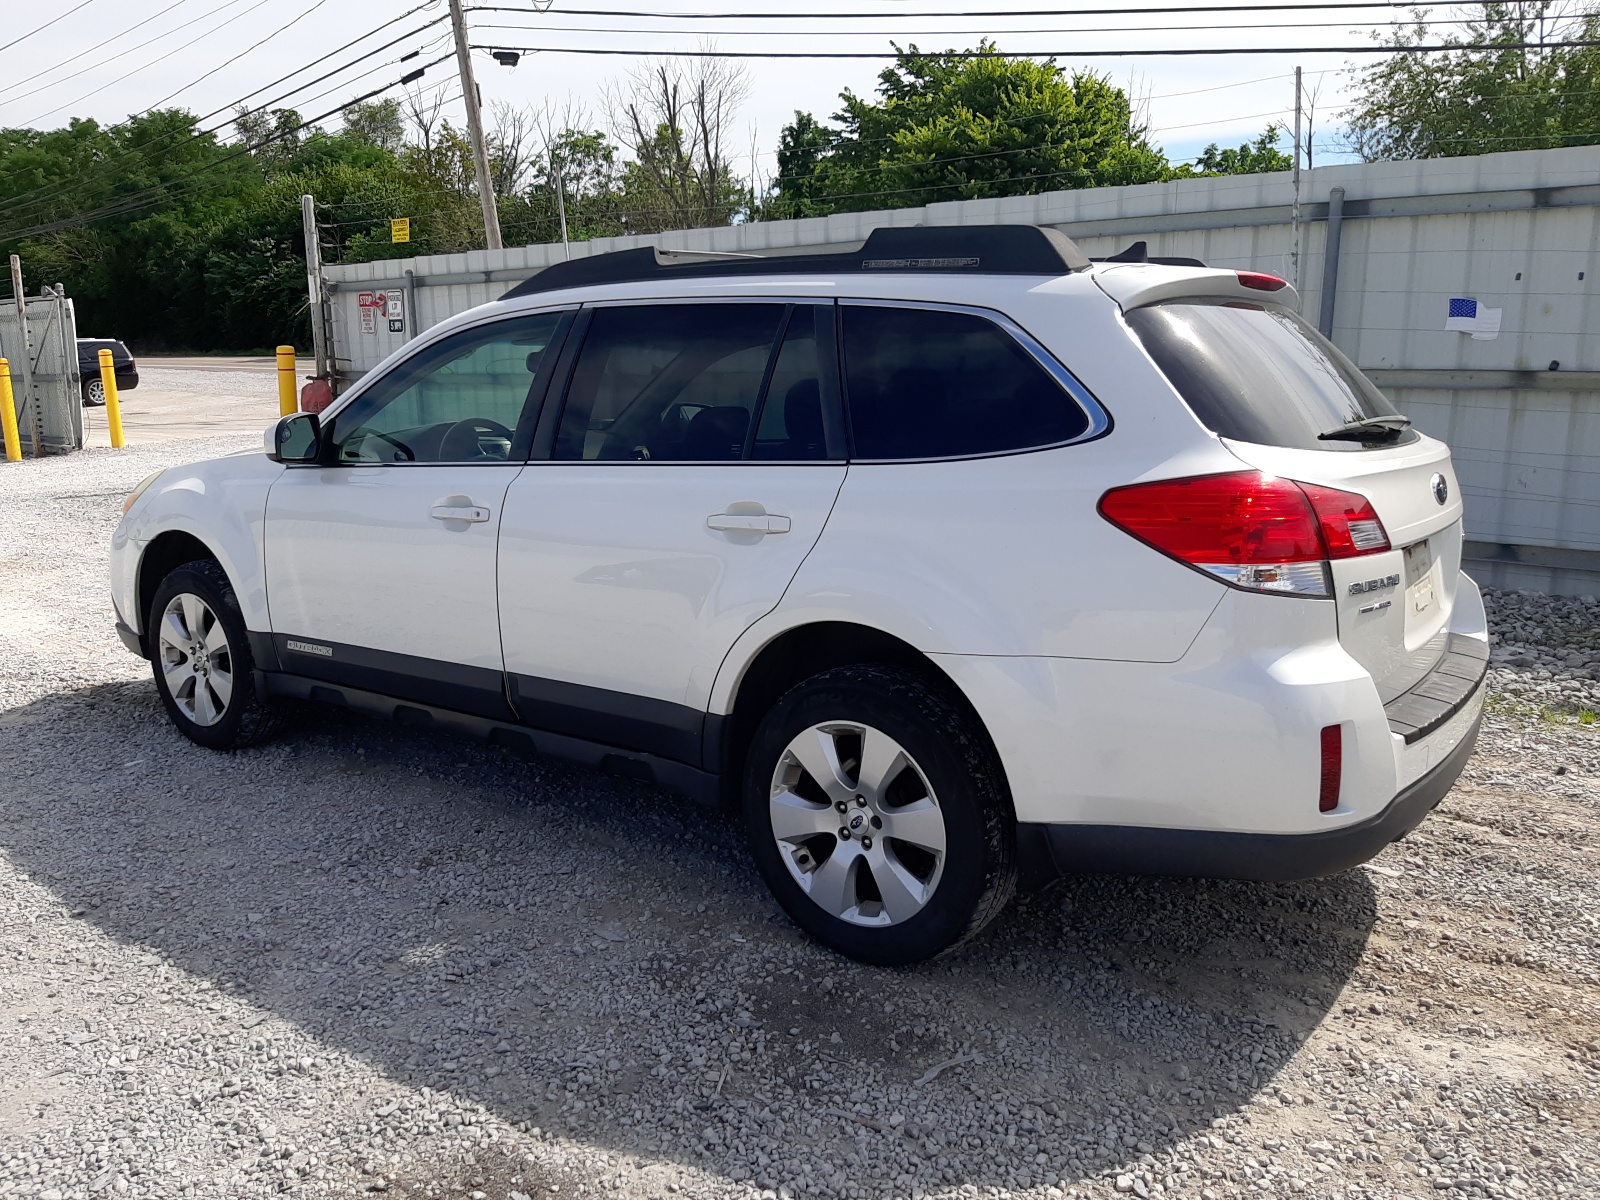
<point x="976" y="249"/>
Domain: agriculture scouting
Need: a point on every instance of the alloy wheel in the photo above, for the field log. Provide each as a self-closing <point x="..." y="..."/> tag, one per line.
<point x="196" y="660"/>
<point x="857" y="824"/>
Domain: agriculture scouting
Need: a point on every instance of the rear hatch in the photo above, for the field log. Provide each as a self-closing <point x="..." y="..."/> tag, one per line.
<point x="1287" y="402"/>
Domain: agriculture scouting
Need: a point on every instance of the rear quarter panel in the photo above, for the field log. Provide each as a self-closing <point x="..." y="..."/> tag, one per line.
<point x="1008" y="554"/>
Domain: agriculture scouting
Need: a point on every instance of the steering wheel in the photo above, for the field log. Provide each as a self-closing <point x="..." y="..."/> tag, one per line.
<point x="463" y="441"/>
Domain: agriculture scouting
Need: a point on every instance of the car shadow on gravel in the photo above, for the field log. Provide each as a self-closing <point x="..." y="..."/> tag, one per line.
<point x="598" y="958"/>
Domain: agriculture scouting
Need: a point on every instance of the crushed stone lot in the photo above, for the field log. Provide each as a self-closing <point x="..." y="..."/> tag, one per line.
<point x="363" y="959"/>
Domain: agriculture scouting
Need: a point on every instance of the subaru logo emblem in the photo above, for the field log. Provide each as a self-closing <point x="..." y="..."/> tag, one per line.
<point x="857" y="821"/>
<point x="1441" y="489"/>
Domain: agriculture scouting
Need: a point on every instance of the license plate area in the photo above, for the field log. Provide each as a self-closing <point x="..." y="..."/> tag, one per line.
<point x="1419" y="577"/>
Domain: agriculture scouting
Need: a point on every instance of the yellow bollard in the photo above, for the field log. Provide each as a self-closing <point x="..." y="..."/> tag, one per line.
<point x="8" y="415"/>
<point x="288" y="402"/>
<point x="108" y="380"/>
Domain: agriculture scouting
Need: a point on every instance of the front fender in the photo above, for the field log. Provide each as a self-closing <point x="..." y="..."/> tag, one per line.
<point x="222" y="503"/>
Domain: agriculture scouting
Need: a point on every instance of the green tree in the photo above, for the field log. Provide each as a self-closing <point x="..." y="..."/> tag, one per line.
<point x="1485" y="96"/>
<point x="802" y="146"/>
<point x="676" y="121"/>
<point x="377" y="123"/>
<point x="951" y="127"/>
<point x="1252" y="158"/>
<point x="583" y="165"/>
<point x="277" y="135"/>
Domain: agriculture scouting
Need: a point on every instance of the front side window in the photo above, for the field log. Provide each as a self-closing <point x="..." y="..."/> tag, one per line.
<point x="934" y="383"/>
<point x="668" y="383"/>
<point x="1259" y="373"/>
<point x="460" y="400"/>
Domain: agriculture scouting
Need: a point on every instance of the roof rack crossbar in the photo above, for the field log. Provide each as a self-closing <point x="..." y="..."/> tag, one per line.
<point x="979" y="249"/>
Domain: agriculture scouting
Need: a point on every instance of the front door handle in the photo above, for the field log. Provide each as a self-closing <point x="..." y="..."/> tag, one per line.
<point x="744" y="522"/>
<point x="472" y="513"/>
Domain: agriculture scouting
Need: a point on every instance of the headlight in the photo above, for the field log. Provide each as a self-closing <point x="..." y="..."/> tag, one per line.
<point x="144" y="486"/>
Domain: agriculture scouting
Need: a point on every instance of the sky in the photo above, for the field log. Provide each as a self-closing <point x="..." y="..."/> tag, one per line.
<point x="106" y="59"/>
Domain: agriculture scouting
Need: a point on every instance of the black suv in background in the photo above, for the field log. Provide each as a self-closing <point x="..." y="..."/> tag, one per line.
<point x="127" y="371"/>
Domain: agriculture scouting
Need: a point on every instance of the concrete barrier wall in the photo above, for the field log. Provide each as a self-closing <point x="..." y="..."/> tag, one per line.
<point x="1515" y="232"/>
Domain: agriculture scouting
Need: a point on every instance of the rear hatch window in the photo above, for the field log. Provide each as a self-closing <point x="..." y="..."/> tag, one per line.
<point x="1259" y="373"/>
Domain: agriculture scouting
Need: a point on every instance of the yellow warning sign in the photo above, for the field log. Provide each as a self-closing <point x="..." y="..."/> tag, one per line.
<point x="400" y="229"/>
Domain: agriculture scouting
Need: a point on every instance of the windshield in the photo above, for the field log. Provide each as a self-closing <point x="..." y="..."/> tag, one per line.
<point x="1259" y="373"/>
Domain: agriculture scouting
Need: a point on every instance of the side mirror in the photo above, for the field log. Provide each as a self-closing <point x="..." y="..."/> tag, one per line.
<point x="296" y="439"/>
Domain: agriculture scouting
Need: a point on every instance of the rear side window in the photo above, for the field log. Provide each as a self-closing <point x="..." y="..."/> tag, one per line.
<point x="668" y="382"/>
<point x="932" y="383"/>
<point x="791" y="425"/>
<point x="1258" y="373"/>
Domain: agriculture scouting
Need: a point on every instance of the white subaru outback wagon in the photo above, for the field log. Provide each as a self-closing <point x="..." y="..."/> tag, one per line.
<point x="955" y="562"/>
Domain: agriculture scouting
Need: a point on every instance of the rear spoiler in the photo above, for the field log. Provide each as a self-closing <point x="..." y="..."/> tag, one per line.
<point x="1155" y="282"/>
<point x="1139" y="252"/>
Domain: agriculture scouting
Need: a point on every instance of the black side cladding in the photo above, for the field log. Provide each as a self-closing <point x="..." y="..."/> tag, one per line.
<point x="964" y="249"/>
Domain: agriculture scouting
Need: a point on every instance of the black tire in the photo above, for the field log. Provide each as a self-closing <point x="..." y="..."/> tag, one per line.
<point x="978" y="872"/>
<point x="245" y="717"/>
<point x="94" y="392"/>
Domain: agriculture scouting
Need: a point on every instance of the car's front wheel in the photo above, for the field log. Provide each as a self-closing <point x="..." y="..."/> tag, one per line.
<point x="878" y="816"/>
<point x="200" y="654"/>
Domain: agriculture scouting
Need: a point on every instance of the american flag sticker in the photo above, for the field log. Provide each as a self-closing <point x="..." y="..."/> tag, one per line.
<point x="1465" y="315"/>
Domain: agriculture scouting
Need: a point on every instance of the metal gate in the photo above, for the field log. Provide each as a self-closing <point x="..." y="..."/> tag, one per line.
<point x="41" y="345"/>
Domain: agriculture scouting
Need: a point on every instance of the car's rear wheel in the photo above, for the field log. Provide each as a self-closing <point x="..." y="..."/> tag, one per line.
<point x="94" y="390"/>
<point x="200" y="654"/>
<point x="878" y="816"/>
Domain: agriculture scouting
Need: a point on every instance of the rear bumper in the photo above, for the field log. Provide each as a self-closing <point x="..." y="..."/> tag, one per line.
<point x="1046" y="851"/>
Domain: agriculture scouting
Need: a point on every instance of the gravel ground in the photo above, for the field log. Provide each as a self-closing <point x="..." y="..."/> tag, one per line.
<point x="367" y="960"/>
<point x="171" y="404"/>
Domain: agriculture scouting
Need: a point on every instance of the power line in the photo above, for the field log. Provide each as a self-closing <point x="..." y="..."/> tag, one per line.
<point x="1279" y="77"/>
<point x="1300" y="5"/>
<point x="41" y="28"/>
<point x="152" y="62"/>
<point x="1163" y="52"/>
<point x="56" y="67"/>
<point x="57" y="186"/>
<point x="284" y="28"/>
<point x="855" y="33"/>
<point x="424" y="48"/>
<point x="319" y="61"/>
<point x="147" y="196"/>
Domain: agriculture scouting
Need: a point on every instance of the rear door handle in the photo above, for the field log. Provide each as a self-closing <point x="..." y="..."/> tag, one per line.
<point x="728" y="522"/>
<point x="459" y="512"/>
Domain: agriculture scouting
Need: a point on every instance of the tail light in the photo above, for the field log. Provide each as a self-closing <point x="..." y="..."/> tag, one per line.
<point x="1261" y="281"/>
<point x="1248" y="529"/>
<point x="1332" y="768"/>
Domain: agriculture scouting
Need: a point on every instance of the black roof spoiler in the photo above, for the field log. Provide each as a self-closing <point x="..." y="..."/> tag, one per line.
<point x="960" y="249"/>
<point x="1139" y="252"/>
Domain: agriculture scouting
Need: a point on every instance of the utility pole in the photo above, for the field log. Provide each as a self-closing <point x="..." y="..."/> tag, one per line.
<point x="319" y="332"/>
<point x="480" y="151"/>
<point x="561" y="202"/>
<point x="1294" y="216"/>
